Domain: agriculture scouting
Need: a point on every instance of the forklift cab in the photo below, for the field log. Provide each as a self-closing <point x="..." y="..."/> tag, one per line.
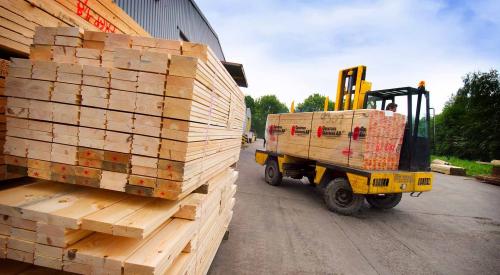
<point x="415" y="151"/>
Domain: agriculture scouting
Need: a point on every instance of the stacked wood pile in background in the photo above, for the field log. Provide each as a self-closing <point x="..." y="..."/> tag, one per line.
<point x="19" y="19"/>
<point x="445" y="167"/>
<point x="366" y="139"/>
<point x="137" y="115"/>
<point x="494" y="178"/>
<point x="91" y="231"/>
<point x="145" y="121"/>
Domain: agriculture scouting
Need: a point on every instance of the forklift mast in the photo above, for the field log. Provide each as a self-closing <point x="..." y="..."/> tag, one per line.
<point x="352" y="88"/>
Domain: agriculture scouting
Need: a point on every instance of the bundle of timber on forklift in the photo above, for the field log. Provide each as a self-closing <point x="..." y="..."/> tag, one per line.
<point x="142" y="116"/>
<point x="365" y="139"/>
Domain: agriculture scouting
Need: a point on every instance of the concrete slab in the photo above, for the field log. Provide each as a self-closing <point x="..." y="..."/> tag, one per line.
<point x="454" y="229"/>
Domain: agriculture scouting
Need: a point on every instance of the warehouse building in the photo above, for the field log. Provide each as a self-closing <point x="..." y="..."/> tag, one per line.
<point x="180" y="19"/>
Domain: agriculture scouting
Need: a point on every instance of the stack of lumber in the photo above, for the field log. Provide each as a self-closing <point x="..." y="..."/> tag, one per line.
<point x="91" y="231"/>
<point x="366" y="139"/>
<point x="140" y="119"/>
<point x="494" y="178"/>
<point x="444" y="167"/>
<point x="10" y="167"/>
<point x="19" y="19"/>
<point x="4" y="64"/>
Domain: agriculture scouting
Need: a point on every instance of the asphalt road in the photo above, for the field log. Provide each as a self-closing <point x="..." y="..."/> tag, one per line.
<point x="454" y="229"/>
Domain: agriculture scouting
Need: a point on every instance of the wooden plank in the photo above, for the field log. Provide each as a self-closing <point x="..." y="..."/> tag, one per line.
<point x="182" y="264"/>
<point x="58" y="237"/>
<point x="23" y="234"/>
<point x="156" y="255"/>
<point x="103" y="220"/>
<point x="113" y="181"/>
<point x="49" y="262"/>
<point x="48" y="251"/>
<point x="145" y="220"/>
<point x="102" y="251"/>
<point x="68" y="210"/>
<point x="22" y="223"/>
<point x="13" y="199"/>
<point x="21" y="245"/>
<point x="19" y="255"/>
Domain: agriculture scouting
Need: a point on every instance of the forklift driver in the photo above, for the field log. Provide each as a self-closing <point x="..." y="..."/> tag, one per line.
<point x="391" y="107"/>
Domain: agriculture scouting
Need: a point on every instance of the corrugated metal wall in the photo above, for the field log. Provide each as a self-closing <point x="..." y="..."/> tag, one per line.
<point x="166" y="18"/>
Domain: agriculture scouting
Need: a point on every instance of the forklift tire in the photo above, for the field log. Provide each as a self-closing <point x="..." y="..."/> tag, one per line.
<point x="386" y="201"/>
<point x="272" y="174"/>
<point x="339" y="197"/>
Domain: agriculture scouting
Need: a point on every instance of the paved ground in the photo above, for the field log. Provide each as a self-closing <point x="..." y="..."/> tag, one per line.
<point x="455" y="229"/>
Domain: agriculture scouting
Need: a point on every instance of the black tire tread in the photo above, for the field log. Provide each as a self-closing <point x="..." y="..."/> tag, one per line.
<point x="278" y="177"/>
<point x="390" y="202"/>
<point x="329" y="196"/>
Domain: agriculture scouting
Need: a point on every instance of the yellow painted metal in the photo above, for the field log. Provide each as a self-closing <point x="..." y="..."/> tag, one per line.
<point x="400" y="182"/>
<point x="281" y="160"/>
<point x="320" y="171"/>
<point x="340" y="91"/>
<point x="325" y="108"/>
<point x="347" y="96"/>
<point x="261" y="157"/>
<point x="359" y="184"/>
<point x="357" y="90"/>
<point x="360" y="98"/>
<point x="423" y="181"/>
<point x="345" y="100"/>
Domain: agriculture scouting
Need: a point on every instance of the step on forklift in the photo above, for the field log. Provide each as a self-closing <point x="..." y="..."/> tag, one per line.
<point x="346" y="188"/>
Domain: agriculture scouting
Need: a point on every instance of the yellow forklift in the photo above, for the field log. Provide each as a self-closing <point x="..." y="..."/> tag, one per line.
<point x="346" y="188"/>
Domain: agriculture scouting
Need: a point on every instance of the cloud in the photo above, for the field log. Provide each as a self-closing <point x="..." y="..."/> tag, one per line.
<point x="294" y="48"/>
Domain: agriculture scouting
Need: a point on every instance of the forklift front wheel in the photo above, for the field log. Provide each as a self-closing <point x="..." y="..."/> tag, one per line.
<point x="340" y="199"/>
<point x="272" y="174"/>
<point x="385" y="201"/>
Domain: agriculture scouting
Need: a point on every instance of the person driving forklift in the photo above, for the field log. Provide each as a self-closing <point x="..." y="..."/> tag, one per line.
<point x="391" y="107"/>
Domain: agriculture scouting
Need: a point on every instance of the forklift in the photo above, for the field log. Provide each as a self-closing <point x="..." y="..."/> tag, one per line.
<point x="346" y="188"/>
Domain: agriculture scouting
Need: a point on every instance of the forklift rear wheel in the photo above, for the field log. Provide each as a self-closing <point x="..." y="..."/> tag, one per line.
<point x="273" y="174"/>
<point x="385" y="201"/>
<point x="340" y="199"/>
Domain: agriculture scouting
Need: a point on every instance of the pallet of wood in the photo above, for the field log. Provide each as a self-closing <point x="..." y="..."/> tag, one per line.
<point x="20" y="18"/>
<point x="145" y="116"/>
<point x="366" y="139"/>
<point x="91" y="231"/>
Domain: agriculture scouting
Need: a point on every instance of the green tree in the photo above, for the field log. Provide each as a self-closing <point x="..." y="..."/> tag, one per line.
<point x="260" y="108"/>
<point x="469" y="125"/>
<point x="249" y="102"/>
<point x="314" y="103"/>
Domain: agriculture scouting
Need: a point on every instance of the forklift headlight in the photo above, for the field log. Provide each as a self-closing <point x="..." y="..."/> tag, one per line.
<point x="403" y="186"/>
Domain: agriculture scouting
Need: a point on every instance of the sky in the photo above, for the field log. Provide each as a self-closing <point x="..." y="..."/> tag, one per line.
<point x="295" y="48"/>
